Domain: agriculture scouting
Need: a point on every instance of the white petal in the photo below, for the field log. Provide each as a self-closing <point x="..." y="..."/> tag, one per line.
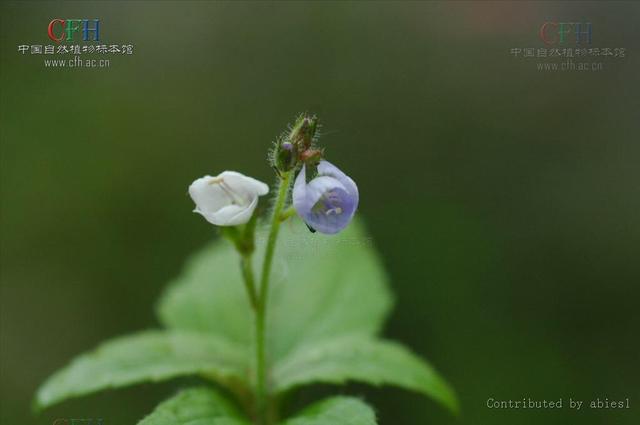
<point x="228" y="199"/>
<point x="233" y="215"/>
<point x="243" y="184"/>
<point x="207" y="196"/>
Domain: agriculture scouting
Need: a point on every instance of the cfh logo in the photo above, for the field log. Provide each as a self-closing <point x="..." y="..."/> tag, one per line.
<point x="552" y="33"/>
<point x="65" y="29"/>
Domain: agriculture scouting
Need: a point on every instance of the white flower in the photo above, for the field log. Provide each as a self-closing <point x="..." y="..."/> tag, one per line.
<point x="227" y="199"/>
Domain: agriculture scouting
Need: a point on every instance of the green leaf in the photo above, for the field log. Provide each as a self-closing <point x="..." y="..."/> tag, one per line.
<point x="336" y="411"/>
<point x="195" y="406"/>
<point x="209" y="296"/>
<point x="146" y="356"/>
<point x="317" y="282"/>
<point x="365" y="360"/>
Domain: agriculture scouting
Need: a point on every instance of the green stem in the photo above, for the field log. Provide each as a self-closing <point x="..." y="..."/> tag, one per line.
<point x="243" y="239"/>
<point x="262" y="393"/>
<point x="288" y="213"/>
<point x="249" y="281"/>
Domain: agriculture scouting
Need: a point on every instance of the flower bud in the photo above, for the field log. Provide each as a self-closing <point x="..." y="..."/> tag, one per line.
<point x="303" y="131"/>
<point x="311" y="156"/>
<point x="286" y="156"/>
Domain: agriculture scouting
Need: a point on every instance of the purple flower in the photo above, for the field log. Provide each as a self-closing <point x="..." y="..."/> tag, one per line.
<point x="327" y="203"/>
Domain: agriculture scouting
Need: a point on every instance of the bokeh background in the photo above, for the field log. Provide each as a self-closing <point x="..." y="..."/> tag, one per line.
<point x="504" y="200"/>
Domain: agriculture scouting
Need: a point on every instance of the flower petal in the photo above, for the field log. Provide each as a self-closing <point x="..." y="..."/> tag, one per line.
<point x="326" y="168"/>
<point x="207" y="196"/>
<point x="233" y="215"/>
<point x="328" y="202"/>
<point x="244" y="184"/>
<point x="332" y="219"/>
<point x="229" y="199"/>
<point x="299" y="194"/>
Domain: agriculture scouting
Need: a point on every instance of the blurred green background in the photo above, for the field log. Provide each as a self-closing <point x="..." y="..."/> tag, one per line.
<point x="504" y="200"/>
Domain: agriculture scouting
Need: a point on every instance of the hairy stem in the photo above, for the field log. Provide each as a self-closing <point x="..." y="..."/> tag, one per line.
<point x="262" y="392"/>
<point x="288" y="213"/>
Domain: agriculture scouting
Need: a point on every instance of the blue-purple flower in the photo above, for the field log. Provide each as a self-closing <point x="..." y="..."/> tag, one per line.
<point x="328" y="202"/>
